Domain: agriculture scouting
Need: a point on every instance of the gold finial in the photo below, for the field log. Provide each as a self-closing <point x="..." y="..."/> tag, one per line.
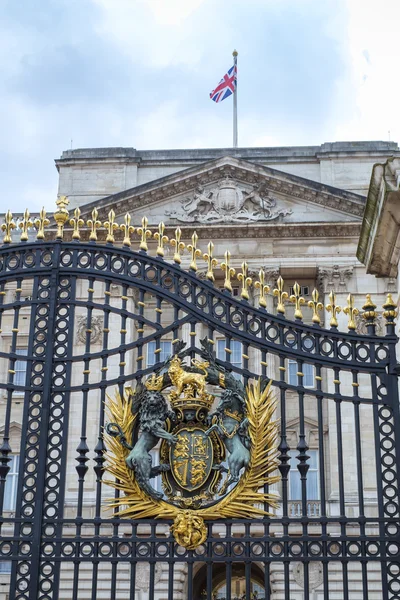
<point x="316" y="306"/>
<point x="264" y="289"/>
<point x="161" y="239"/>
<point x="333" y="309"/>
<point x="246" y="281"/>
<point x="178" y="245"/>
<point x="77" y="223"/>
<point x="110" y="226"/>
<point x="351" y="312"/>
<point x="61" y="215"/>
<point x="7" y="227"/>
<point x="144" y="233"/>
<point x="389" y="309"/>
<point x="94" y="225"/>
<point x="369" y="307"/>
<point x="298" y="301"/>
<point x="281" y="295"/>
<point x="25" y="224"/>
<point x="195" y="252"/>
<point x="229" y="271"/>
<point x="235" y="53"/>
<point x="128" y="229"/>
<point x="40" y="223"/>
<point x="211" y="262"/>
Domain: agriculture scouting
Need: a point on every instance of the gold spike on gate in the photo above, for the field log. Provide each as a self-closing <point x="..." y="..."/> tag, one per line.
<point x="229" y="271"/>
<point x="351" y="312"/>
<point x="94" y="225"/>
<point x="144" y="234"/>
<point x="334" y="309"/>
<point x="24" y="225"/>
<point x="76" y="223"/>
<point x="211" y="262"/>
<point x="281" y="295"/>
<point x="246" y="281"/>
<point x="111" y="226"/>
<point x="41" y="223"/>
<point x="127" y="230"/>
<point x="298" y="301"/>
<point x="264" y="289"/>
<point x="8" y="227"/>
<point x="316" y="306"/>
<point x="178" y="245"/>
<point x="161" y="239"/>
<point x="194" y="251"/>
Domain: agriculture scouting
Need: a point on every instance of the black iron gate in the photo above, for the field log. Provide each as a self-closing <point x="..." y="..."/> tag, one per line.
<point x="80" y="319"/>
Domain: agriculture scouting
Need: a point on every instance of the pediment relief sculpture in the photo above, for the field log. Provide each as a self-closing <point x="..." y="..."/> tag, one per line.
<point x="228" y="203"/>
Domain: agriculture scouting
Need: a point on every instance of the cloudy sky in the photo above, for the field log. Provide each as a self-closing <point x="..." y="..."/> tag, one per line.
<point x="87" y="73"/>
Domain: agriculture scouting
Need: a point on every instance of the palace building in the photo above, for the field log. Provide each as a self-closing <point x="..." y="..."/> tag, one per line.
<point x="296" y="215"/>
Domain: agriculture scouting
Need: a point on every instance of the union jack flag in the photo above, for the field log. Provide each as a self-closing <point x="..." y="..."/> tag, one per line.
<point x="226" y="86"/>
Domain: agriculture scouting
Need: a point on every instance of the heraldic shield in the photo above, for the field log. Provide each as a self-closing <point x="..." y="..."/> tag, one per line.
<point x="213" y="464"/>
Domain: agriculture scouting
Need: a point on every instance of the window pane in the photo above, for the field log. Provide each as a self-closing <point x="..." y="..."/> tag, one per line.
<point x="292" y="372"/>
<point x="308" y="371"/>
<point x="10" y="490"/>
<point x="153" y="358"/>
<point x="20" y="367"/>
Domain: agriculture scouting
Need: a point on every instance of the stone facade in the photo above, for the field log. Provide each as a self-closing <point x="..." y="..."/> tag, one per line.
<point x="296" y="212"/>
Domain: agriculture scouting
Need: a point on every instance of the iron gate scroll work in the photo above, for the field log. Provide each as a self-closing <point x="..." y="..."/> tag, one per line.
<point x="97" y="318"/>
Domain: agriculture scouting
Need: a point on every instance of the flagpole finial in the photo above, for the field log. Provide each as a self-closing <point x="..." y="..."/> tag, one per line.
<point x="235" y="53"/>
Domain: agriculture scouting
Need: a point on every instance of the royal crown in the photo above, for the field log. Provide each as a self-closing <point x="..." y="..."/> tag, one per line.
<point x="154" y="383"/>
<point x="189" y="386"/>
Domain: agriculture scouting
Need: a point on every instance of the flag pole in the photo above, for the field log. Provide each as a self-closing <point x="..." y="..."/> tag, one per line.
<point x="235" y="127"/>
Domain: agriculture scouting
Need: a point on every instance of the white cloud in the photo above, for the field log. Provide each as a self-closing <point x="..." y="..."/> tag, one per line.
<point x="372" y="86"/>
<point x="156" y="33"/>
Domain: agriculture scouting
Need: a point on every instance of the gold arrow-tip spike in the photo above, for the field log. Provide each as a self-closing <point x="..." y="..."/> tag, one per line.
<point x="351" y="312"/>
<point x="144" y="234"/>
<point x="316" y="306"/>
<point x="264" y="289"/>
<point x="127" y="230"/>
<point x="280" y="295"/>
<point x="298" y="301"/>
<point x="333" y="309"/>
<point x="246" y="281"/>
<point x="25" y="225"/>
<point x="8" y="227"/>
<point x="161" y="239"/>
<point x="76" y="223"/>
<point x="229" y="271"/>
<point x="41" y="223"/>
<point x="211" y="262"/>
<point x="194" y="252"/>
<point x="178" y="245"/>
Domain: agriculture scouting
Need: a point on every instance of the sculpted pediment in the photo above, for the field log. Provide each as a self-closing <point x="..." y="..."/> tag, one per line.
<point x="229" y="192"/>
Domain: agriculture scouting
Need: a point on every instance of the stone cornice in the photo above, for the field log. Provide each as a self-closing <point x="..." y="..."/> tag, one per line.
<point x="240" y="170"/>
<point x="379" y="244"/>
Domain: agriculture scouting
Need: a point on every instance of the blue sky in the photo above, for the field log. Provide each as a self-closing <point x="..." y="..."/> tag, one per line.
<point x="138" y="73"/>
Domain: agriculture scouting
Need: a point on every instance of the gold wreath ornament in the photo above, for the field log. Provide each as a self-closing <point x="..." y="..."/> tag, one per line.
<point x="245" y="500"/>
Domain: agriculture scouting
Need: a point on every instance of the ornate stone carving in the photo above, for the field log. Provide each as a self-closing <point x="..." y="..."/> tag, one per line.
<point x="228" y="203"/>
<point x="361" y="325"/>
<point x="96" y="327"/>
<point x="315" y="574"/>
<point x="334" y="278"/>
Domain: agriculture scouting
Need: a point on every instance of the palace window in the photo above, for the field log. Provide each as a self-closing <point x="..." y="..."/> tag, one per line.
<point x="307" y="369"/>
<point x="10" y="490"/>
<point x="20" y="368"/>
<point x="235" y="356"/>
<point x="154" y="357"/>
<point x="312" y="484"/>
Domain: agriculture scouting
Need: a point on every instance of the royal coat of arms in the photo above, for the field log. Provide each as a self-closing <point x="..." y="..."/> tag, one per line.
<point x="213" y="464"/>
